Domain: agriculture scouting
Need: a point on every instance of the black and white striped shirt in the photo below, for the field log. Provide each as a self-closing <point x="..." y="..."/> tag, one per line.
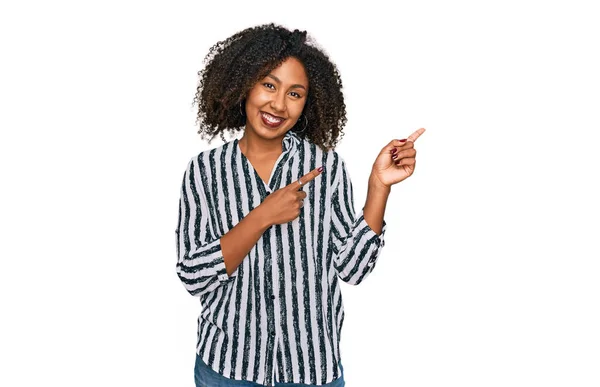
<point x="280" y="314"/>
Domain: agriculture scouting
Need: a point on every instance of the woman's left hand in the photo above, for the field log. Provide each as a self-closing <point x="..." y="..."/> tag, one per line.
<point x="388" y="170"/>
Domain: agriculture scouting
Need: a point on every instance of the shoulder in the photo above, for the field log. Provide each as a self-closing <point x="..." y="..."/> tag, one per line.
<point x="211" y="156"/>
<point x="202" y="165"/>
<point x="329" y="157"/>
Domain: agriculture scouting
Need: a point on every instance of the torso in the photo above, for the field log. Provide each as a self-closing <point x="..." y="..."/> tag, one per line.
<point x="263" y="168"/>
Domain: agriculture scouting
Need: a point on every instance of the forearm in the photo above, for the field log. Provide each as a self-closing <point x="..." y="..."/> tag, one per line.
<point x="374" y="209"/>
<point x="238" y="241"/>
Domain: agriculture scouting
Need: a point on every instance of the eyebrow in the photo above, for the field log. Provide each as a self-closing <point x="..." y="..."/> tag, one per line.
<point x="277" y="79"/>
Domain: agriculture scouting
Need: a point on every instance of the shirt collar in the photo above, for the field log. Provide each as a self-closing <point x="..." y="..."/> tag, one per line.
<point x="290" y="142"/>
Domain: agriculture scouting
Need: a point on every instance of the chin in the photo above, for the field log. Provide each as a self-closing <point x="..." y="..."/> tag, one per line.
<point x="265" y="131"/>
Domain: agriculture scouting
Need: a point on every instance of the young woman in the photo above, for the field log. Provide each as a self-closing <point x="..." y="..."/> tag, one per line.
<point x="267" y="226"/>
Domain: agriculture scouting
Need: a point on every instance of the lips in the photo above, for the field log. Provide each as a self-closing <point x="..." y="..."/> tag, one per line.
<point x="270" y="120"/>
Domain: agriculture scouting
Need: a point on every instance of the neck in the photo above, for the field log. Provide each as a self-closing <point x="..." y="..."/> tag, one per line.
<point x="253" y="145"/>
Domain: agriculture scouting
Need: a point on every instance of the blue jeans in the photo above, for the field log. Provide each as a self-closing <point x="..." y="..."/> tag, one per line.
<point x="207" y="377"/>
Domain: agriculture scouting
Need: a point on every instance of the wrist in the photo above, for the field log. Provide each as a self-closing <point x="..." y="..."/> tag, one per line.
<point x="260" y="218"/>
<point x="375" y="185"/>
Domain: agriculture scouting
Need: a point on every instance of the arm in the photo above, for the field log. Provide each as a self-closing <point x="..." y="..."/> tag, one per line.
<point x="237" y="242"/>
<point x="204" y="263"/>
<point x="355" y="243"/>
<point x="374" y="209"/>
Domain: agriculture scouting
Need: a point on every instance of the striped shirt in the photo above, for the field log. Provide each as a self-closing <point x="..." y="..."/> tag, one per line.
<point x="279" y="316"/>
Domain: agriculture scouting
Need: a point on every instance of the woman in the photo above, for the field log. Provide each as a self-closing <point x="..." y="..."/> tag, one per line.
<point x="267" y="226"/>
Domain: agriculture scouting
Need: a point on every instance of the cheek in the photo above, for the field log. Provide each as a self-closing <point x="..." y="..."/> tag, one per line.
<point x="295" y="105"/>
<point x="258" y="98"/>
<point x="297" y="109"/>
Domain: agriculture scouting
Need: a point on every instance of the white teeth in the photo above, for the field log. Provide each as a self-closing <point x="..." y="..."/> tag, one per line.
<point x="271" y="119"/>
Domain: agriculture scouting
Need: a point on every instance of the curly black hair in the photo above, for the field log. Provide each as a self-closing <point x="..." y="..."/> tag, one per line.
<point x="234" y="65"/>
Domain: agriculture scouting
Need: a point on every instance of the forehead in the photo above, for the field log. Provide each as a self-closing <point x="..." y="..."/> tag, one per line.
<point x="291" y="71"/>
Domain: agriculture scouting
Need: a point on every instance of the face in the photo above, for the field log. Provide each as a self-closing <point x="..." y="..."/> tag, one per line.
<point x="275" y="102"/>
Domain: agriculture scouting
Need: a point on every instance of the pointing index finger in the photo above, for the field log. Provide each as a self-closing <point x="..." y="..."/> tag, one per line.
<point x="413" y="137"/>
<point x="306" y="178"/>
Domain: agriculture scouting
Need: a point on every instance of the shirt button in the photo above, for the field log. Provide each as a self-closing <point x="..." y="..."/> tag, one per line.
<point x="272" y="297"/>
<point x="273" y="333"/>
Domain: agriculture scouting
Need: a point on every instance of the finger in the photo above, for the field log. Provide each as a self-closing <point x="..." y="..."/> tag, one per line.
<point x="305" y="179"/>
<point x="401" y="146"/>
<point x="404" y="143"/>
<point x="406" y="161"/>
<point x="413" y="137"/>
<point x="412" y="152"/>
<point x="395" y="145"/>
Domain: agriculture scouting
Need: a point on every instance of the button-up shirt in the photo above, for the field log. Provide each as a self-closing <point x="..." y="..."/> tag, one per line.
<point x="279" y="316"/>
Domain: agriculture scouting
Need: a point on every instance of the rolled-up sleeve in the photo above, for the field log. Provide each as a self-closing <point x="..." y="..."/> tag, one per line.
<point x="356" y="246"/>
<point x="200" y="263"/>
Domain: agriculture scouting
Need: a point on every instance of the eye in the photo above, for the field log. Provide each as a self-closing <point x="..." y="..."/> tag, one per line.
<point x="272" y="87"/>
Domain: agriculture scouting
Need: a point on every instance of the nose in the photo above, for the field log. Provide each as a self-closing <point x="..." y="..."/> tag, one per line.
<point x="278" y="101"/>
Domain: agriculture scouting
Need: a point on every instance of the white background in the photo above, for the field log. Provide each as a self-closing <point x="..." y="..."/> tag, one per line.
<point x="490" y="273"/>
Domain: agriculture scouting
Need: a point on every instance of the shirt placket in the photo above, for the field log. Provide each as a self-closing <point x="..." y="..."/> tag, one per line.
<point x="270" y="285"/>
<point x="273" y="299"/>
<point x="271" y="290"/>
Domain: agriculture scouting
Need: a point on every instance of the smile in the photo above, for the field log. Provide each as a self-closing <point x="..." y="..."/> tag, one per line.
<point x="271" y="121"/>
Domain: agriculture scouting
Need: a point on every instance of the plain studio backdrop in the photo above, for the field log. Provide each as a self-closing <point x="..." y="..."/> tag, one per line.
<point x="489" y="275"/>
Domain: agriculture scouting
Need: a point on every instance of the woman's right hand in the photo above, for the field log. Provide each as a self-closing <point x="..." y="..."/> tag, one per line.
<point x="283" y="205"/>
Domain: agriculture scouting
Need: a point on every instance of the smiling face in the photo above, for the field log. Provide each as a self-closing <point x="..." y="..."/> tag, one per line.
<point x="275" y="102"/>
